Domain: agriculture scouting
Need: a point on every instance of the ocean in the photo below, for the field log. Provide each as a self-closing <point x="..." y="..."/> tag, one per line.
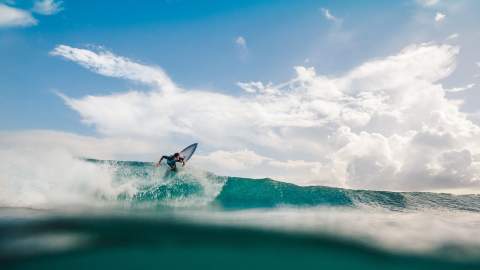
<point x="132" y="215"/>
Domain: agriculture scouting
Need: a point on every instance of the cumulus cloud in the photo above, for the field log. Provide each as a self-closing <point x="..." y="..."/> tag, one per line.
<point x="329" y="16"/>
<point x="385" y="124"/>
<point x="47" y="7"/>
<point x="14" y="17"/>
<point x="440" y="17"/>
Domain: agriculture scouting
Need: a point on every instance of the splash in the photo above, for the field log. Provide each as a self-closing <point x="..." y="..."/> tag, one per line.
<point x="53" y="178"/>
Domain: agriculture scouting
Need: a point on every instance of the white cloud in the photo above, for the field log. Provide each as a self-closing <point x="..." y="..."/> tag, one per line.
<point x="440" y="17"/>
<point x="329" y="16"/>
<point x="384" y="125"/>
<point x="108" y="64"/>
<point x="257" y="87"/>
<point x="232" y="161"/>
<point x="76" y="145"/>
<point x="47" y="7"/>
<point x="247" y="163"/>
<point x="251" y="87"/>
<point x="241" y="42"/>
<point x="428" y="3"/>
<point x="453" y="36"/>
<point x="460" y="89"/>
<point x="14" y="17"/>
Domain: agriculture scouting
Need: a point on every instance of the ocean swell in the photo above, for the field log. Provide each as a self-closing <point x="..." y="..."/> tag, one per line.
<point x="65" y="180"/>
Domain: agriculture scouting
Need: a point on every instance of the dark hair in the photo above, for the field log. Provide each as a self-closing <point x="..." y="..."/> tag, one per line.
<point x="176" y="154"/>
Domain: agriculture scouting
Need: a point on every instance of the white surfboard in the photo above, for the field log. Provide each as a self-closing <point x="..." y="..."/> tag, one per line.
<point x="187" y="153"/>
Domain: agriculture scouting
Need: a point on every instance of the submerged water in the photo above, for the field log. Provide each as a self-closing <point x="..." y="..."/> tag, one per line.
<point x="131" y="215"/>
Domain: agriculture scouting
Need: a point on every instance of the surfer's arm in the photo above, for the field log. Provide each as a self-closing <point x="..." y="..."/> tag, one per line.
<point x="183" y="161"/>
<point x="160" y="161"/>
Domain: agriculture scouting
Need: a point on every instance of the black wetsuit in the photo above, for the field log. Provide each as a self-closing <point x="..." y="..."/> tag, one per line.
<point x="171" y="161"/>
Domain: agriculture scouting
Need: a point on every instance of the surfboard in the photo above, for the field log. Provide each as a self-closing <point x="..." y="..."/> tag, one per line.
<point x="187" y="153"/>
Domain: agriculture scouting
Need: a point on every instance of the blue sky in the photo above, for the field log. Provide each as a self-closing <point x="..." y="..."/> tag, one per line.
<point x="329" y="92"/>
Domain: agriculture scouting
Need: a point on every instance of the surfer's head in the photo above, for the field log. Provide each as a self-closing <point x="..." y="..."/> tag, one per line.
<point x="176" y="155"/>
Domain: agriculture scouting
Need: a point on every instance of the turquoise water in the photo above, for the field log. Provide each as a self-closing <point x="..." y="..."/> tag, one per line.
<point x="137" y="216"/>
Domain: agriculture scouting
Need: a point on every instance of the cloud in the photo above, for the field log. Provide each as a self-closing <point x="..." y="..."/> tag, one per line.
<point x="453" y="36"/>
<point x="385" y="124"/>
<point x="76" y="145"/>
<point x="248" y="163"/>
<point x="232" y="161"/>
<point x="329" y="16"/>
<point x="108" y="64"/>
<point x="460" y="89"/>
<point x="14" y="17"/>
<point x="47" y="7"/>
<point x="241" y="42"/>
<point x="428" y="3"/>
<point x="439" y="17"/>
<point x="257" y="87"/>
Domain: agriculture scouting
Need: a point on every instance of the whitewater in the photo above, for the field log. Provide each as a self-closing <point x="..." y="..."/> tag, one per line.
<point x="59" y="211"/>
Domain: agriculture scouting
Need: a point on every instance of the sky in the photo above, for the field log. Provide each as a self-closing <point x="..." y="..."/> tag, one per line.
<point x="356" y="94"/>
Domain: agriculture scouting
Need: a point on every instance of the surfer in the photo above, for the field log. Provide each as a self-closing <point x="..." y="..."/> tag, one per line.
<point x="172" y="161"/>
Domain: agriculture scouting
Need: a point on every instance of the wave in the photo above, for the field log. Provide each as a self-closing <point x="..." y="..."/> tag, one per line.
<point x="59" y="179"/>
<point x="191" y="187"/>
